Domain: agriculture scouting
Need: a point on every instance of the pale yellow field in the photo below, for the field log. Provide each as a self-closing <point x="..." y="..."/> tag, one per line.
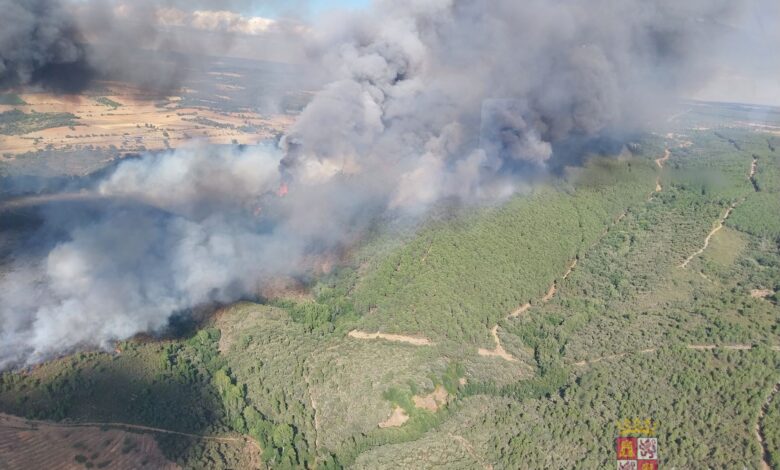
<point x="136" y="125"/>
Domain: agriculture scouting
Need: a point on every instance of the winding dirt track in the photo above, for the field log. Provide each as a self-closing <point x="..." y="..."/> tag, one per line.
<point x="660" y="163"/>
<point x="715" y="230"/>
<point x="760" y="434"/>
<point x="39" y="445"/>
<point x="499" y="350"/>
<point x="722" y="220"/>
<point x="519" y="311"/>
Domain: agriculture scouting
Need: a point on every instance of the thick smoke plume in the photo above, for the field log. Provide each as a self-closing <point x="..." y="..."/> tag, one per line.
<point x="425" y="100"/>
<point x="63" y="45"/>
<point x="450" y="95"/>
<point x="162" y="234"/>
<point x="40" y="44"/>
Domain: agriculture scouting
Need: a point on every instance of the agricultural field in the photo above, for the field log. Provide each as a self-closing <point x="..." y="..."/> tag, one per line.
<point x="124" y="122"/>
<point x="31" y="444"/>
<point x="227" y="101"/>
<point x="516" y="336"/>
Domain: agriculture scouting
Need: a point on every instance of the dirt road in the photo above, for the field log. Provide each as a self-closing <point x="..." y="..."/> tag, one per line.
<point x="499" y="350"/>
<point x="660" y="163"/>
<point x="43" y="445"/>
<point x="715" y="230"/>
<point x="719" y="226"/>
<point x="415" y="340"/>
<point x="120" y="426"/>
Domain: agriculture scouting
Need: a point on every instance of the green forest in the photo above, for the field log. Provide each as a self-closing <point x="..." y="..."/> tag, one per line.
<point x="17" y="122"/>
<point x="619" y="326"/>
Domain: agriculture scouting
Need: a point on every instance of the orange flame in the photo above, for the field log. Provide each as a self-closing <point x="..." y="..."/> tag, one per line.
<point x="283" y="190"/>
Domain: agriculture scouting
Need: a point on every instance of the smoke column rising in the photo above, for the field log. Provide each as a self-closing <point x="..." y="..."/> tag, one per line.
<point x="424" y="100"/>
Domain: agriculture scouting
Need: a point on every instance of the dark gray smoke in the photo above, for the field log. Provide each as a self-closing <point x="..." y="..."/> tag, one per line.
<point x="425" y="100"/>
<point x="41" y="44"/>
<point x="63" y="45"/>
<point x="453" y="94"/>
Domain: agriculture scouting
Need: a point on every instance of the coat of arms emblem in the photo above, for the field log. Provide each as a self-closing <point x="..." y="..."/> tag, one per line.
<point x="636" y="446"/>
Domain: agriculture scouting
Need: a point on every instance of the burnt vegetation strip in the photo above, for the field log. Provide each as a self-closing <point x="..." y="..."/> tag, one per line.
<point x="753" y="171"/>
<point x="729" y="140"/>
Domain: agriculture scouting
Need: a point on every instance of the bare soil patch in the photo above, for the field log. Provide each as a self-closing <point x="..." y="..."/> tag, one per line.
<point x="432" y="401"/>
<point x="761" y="293"/>
<point x="397" y="418"/>
<point x="414" y="340"/>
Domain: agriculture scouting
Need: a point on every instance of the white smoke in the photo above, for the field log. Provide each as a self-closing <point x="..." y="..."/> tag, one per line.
<point x="425" y="100"/>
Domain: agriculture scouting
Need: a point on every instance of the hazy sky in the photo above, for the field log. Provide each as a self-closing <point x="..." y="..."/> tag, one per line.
<point x="310" y="8"/>
<point x="748" y="70"/>
<point x="747" y="78"/>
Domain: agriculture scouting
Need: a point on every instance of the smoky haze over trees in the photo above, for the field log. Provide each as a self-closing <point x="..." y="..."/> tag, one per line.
<point x="424" y="100"/>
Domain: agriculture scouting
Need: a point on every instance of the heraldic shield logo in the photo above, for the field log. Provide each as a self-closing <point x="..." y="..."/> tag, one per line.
<point x="636" y="449"/>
